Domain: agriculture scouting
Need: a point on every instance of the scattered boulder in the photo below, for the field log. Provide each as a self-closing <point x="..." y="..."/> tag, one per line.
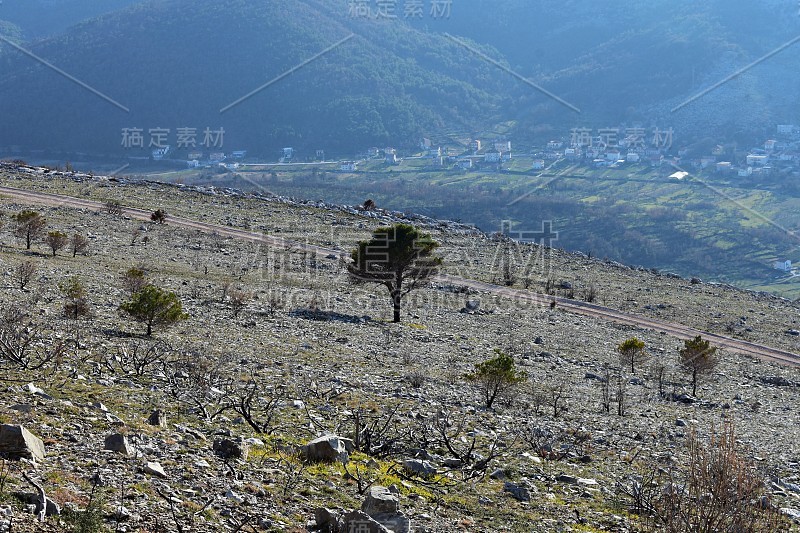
<point x="326" y="519"/>
<point x="793" y="514"/>
<point x="592" y="375"/>
<point x="119" y="443"/>
<point x="419" y="467"/>
<point x="498" y="474"/>
<point x="778" y="381"/>
<point x="155" y="469"/>
<point x="17" y="442"/>
<point x="33" y="498"/>
<point x="231" y="449"/>
<point x="380" y="500"/>
<point x="793" y="332"/>
<point x="472" y="305"/>
<point x="361" y="522"/>
<point x="519" y="492"/>
<point x="36" y="391"/>
<point x="328" y="448"/>
<point x="565" y="478"/>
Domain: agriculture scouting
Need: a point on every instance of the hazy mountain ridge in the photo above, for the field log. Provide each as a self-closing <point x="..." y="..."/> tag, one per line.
<point x="371" y="89"/>
<point x="176" y="64"/>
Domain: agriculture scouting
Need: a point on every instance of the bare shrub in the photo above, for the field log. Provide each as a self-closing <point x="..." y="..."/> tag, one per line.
<point x="78" y="244"/>
<point x="257" y="405"/>
<point x="24" y="273"/>
<point x="113" y="207"/>
<point x="56" y="240"/>
<point x="238" y="300"/>
<point x="23" y="343"/>
<point x="134" y="279"/>
<point x="714" y="488"/>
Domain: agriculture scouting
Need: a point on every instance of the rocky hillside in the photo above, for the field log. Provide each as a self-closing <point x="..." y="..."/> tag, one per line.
<point x="286" y="400"/>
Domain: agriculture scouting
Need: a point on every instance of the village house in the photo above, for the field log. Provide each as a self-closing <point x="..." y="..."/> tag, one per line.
<point x="493" y="156"/>
<point x="390" y="156"/>
<point x="757" y="160"/>
<point x="475" y="146"/>
<point x="503" y="146"/>
<point x="288" y="153"/>
<point x="320" y="154"/>
<point x="538" y="164"/>
<point x="784" y="266"/>
<point x="425" y="144"/>
<point x="239" y="154"/>
<point x="194" y="163"/>
<point x="724" y="166"/>
<point x="632" y="157"/>
<point x="194" y="155"/>
<point x="613" y="155"/>
<point x="555" y="145"/>
<point x="348" y="166"/>
<point x="465" y="164"/>
<point x="572" y="154"/>
<point x="745" y="172"/>
<point x="216" y="157"/>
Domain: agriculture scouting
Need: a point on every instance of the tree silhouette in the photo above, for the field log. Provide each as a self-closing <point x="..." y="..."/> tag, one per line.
<point x="496" y="376"/>
<point x="154" y="307"/>
<point x="399" y="257"/>
<point x="56" y="240"/>
<point x="631" y="351"/>
<point x="698" y="358"/>
<point x="28" y="225"/>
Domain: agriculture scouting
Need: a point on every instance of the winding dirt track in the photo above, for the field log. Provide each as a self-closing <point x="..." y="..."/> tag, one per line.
<point x="679" y="331"/>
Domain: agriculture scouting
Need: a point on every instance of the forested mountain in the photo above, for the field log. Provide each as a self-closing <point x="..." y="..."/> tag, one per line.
<point x="38" y="19"/>
<point x="177" y="63"/>
<point x="633" y="61"/>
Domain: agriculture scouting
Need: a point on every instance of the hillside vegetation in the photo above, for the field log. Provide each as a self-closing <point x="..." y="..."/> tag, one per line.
<point x="316" y="354"/>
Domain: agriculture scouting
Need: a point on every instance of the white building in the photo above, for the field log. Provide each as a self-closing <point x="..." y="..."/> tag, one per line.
<point x="756" y="160"/>
<point x="493" y="156"/>
<point x="538" y="164"/>
<point x="785" y="266"/>
<point x="348" y="166"/>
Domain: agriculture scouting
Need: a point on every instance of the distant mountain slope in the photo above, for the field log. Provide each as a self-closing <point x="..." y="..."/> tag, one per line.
<point x="38" y="19"/>
<point x="177" y="63"/>
<point x="632" y="61"/>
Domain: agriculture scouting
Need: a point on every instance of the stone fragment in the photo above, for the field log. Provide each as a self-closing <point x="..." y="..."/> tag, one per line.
<point x="17" y="442"/>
